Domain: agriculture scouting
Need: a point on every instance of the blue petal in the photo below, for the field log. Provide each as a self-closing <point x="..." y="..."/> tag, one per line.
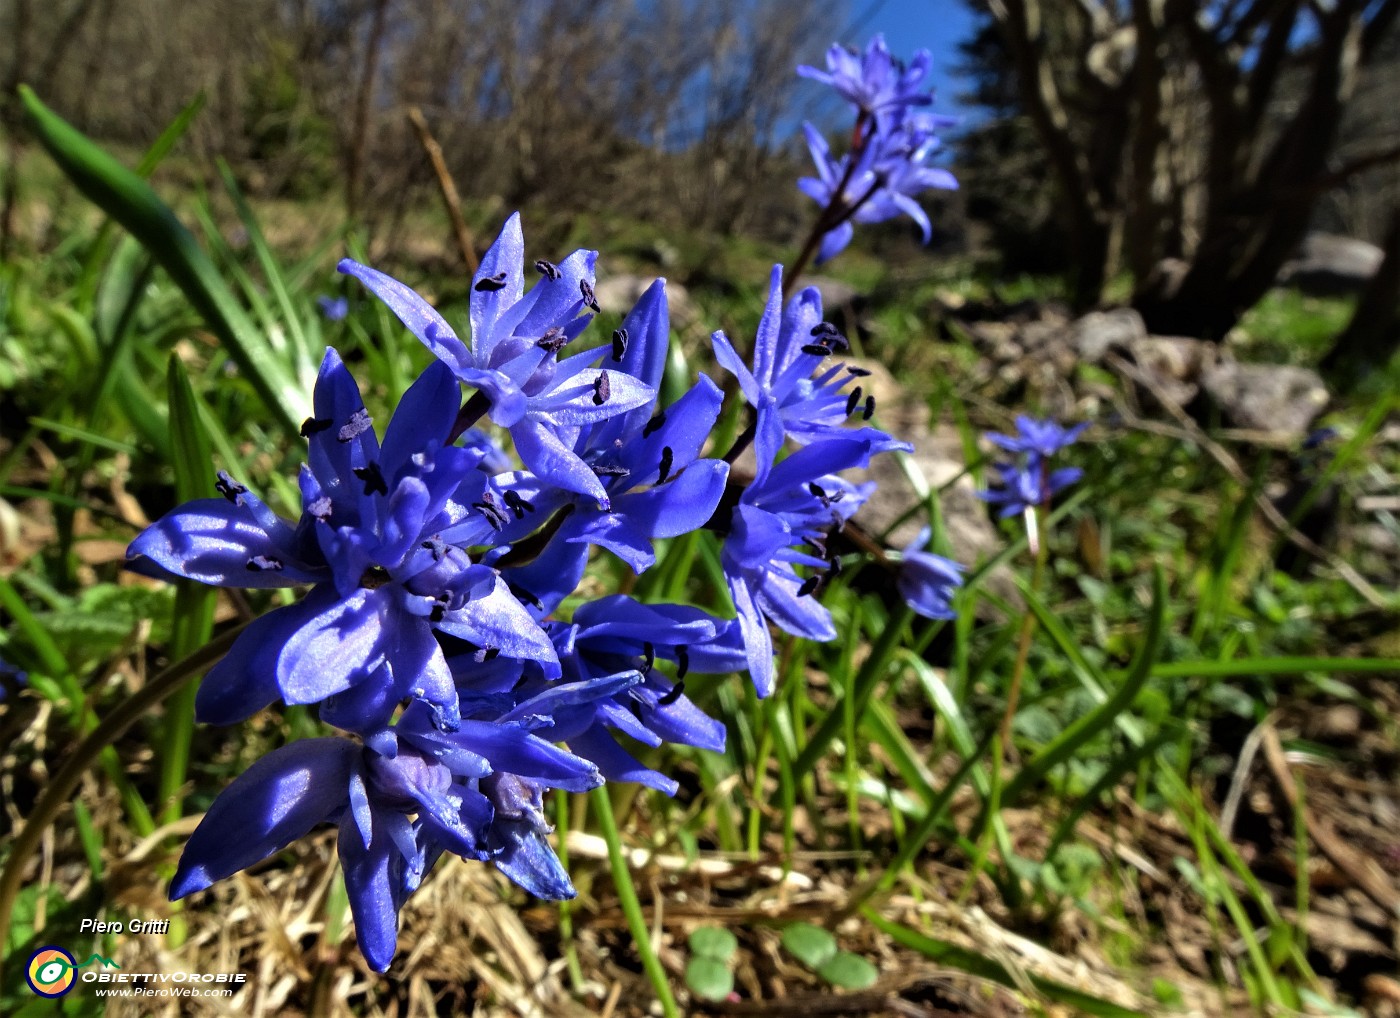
<point x="680" y="505"/>
<point x="506" y="256"/>
<point x="513" y="750"/>
<point x="684" y="429"/>
<point x="835" y="241"/>
<point x="267" y="807"/>
<point x="371" y="887"/>
<point x="765" y="341"/>
<point x="214" y="541"/>
<point x="422" y="420"/>
<point x="648" y="339"/>
<point x="616" y="763"/>
<point x="338" y="400"/>
<point x="576" y="402"/>
<point x="341" y="646"/>
<point x="549" y="459"/>
<point x="497" y="620"/>
<point x="527" y="858"/>
<point x="417" y="314"/>
<point x="245" y="681"/>
<point x="552" y="576"/>
<point x="758" y="642"/>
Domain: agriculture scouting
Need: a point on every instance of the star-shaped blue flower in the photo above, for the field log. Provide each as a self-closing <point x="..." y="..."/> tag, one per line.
<point x="362" y="641"/>
<point x="512" y="361"/>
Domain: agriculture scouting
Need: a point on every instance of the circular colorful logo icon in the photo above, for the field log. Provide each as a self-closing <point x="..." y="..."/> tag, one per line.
<point x="51" y="972"/>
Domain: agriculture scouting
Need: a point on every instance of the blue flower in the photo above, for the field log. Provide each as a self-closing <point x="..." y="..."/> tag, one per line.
<point x="874" y="81"/>
<point x="1031" y="481"/>
<point x="363" y="639"/>
<point x="927" y="581"/>
<point x="799" y="502"/>
<point x="12" y="677"/>
<point x="333" y="308"/>
<point x="877" y="180"/>
<point x="649" y="464"/>
<point x="1033" y="437"/>
<point x="399" y="802"/>
<point x="610" y="683"/>
<point x="793" y="395"/>
<point x="515" y="338"/>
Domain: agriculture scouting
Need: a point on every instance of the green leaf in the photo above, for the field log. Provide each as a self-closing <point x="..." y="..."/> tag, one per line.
<point x="708" y="978"/>
<point x="713" y="942"/>
<point x="130" y="201"/>
<point x="849" y="971"/>
<point x="811" y="945"/>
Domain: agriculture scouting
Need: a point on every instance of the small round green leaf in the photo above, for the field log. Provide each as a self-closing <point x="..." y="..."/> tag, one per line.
<point x="811" y="945"/>
<point x="713" y="942"/>
<point x="848" y="971"/>
<point x="708" y="978"/>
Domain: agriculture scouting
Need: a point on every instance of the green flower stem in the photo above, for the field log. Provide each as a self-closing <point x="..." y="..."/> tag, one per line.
<point x="64" y="782"/>
<point x="1023" y="640"/>
<point x="631" y="907"/>
<point x="869" y="676"/>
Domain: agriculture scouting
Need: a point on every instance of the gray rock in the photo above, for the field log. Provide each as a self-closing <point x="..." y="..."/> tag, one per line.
<point x="1328" y="264"/>
<point x="836" y="293"/>
<point x="1098" y="332"/>
<point x="1174" y="364"/>
<point x="1277" y="398"/>
<point x="618" y="292"/>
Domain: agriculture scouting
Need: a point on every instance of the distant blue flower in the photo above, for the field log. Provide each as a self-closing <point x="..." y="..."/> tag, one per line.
<point x="511" y="362"/>
<point x="890" y="169"/>
<point x="1031" y="481"/>
<point x="11" y="678"/>
<point x="333" y="308"/>
<point x="363" y="639"/>
<point x="874" y="81"/>
<point x="927" y="581"/>
<point x="793" y="395"/>
<point x="1037" y="437"/>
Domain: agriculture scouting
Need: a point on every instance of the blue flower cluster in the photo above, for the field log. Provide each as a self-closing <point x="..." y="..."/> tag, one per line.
<point x="887" y="163"/>
<point x="432" y="565"/>
<point x="1029" y="479"/>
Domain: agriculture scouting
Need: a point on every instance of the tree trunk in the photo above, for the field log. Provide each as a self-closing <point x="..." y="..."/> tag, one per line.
<point x="1372" y="336"/>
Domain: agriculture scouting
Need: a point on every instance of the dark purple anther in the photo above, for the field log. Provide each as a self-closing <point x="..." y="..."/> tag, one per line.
<point x="228" y="487"/>
<point x="547" y="269"/>
<point x="815" y="350"/>
<point x="682" y="662"/>
<point x="853" y="401"/>
<point x="374" y="480"/>
<point x="600" y="389"/>
<point x="675" y="694"/>
<point x="869" y="408"/>
<point x="491" y="283"/>
<point x="667" y="458"/>
<point x="619" y="343"/>
<point x="553" y="340"/>
<point x="652" y="425"/>
<point x="518" y="505"/>
<point x="320" y="508"/>
<point x="360" y="422"/>
<point x="314" y="426"/>
<point x="589" y="300"/>
<point x="809" y="585"/>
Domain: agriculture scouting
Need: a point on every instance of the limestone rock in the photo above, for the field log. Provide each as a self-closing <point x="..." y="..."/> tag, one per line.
<point x="1278" y="398"/>
<point x="1328" y="264"/>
